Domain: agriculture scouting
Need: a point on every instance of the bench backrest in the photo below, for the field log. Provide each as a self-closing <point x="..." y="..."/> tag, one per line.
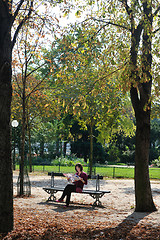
<point x="97" y="177"/>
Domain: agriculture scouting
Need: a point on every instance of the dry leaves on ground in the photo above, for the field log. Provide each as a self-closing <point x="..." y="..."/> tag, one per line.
<point x="36" y="225"/>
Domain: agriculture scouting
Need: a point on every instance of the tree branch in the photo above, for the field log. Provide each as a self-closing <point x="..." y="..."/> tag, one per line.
<point x="33" y="90"/>
<point x="145" y="92"/>
<point x="17" y="10"/>
<point x="111" y="23"/>
<point x="134" y="98"/>
<point x="17" y="80"/>
<point x="17" y="93"/>
<point x="35" y="69"/>
<point x="21" y="24"/>
<point x="156" y="30"/>
<point x="157" y="10"/>
<point x="139" y="31"/>
<point x="31" y="54"/>
<point x="95" y="33"/>
<point x="128" y="9"/>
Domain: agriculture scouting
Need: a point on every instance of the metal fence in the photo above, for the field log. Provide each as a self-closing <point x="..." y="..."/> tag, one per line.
<point x="106" y="171"/>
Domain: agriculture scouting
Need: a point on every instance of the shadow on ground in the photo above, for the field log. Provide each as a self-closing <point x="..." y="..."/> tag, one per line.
<point x="129" y="228"/>
<point x="60" y="207"/>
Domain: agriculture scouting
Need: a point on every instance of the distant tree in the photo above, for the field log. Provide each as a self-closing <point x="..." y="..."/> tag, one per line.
<point x="81" y="84"/>
<point x="24" y="76"/>
<point x="80" y="144"/>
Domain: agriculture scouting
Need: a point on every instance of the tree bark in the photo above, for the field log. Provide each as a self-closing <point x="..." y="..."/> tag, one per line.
<point x="6" y="186"/>
<point x="14" y="149"/>
<point x="42" y="147"/>
<point x="91" y="149"/>
<point x="143" y="194"/>
<point x="64" y="148"/>
<point x="30" y="149"/>
<point x="29" y="142"/>
<point x="57" y="146"/>
<point x="21" y="173"/>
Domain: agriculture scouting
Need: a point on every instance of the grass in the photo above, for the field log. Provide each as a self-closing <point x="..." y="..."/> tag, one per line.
<point x="117" y="172"/>
<point x="154" y="173"/>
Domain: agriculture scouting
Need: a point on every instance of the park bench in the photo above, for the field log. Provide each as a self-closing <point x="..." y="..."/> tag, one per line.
<point x="95" y="194"/>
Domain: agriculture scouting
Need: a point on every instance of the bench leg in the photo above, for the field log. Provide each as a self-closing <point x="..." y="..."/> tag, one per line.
<point x="52" y="196"/>
<point x="97" y="201"/>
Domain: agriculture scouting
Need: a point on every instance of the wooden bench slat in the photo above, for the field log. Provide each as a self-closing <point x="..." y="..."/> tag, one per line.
<point x="56" y="174"/>
<point x="83" y="191"/>
<point x="61" y="175"/>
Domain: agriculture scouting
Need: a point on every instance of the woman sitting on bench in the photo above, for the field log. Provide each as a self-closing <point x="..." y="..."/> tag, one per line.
<point x="77" y="185"/>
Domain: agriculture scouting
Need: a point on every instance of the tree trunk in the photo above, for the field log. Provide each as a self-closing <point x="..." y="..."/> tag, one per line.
<point x="30" y="149"/>
<point x="42" y="147"/>
<point x="29" y="141"/>
<point x="23" y="145"/>
<point x="85" y="158"/>
<point x="140" y="97"/>
<point x="91" y="149"/>
<point x="6" y="186"/>
<point x="57" y="147"/>
<point x="64" y="148"/>
<point x="14" y="149"/>
<point x="143" y="194"/>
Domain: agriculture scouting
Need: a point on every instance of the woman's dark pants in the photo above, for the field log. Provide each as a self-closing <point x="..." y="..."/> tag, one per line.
<point x="67" y="192"/>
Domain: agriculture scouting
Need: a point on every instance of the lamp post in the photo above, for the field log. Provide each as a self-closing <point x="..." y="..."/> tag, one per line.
<point x="14" y="125"/>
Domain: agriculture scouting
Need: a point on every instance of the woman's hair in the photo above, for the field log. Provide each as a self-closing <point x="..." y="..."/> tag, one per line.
<point x="80" y="166"/>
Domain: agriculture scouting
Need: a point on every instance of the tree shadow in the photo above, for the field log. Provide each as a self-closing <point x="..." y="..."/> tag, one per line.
<point x="128" y="190"/>
<point x="155" y="191"/>
<point x="124" y="230"/>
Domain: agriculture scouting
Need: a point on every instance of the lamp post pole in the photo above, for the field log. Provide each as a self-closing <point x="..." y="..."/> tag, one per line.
<point x="14" y="125"/>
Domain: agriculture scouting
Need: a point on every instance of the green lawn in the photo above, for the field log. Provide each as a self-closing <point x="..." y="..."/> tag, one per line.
<point x="117" y="172"/>
<point x="154" y="173"/>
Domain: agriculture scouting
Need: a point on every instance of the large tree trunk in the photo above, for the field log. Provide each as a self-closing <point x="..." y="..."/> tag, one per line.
<point x="140" y="97"/>
<point x="144" y="201"/>
<point x="6" y="188"/>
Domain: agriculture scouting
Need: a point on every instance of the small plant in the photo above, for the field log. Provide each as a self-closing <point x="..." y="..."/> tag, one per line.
<point x="156" y="162"/>
<point x="67" y="161"/>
